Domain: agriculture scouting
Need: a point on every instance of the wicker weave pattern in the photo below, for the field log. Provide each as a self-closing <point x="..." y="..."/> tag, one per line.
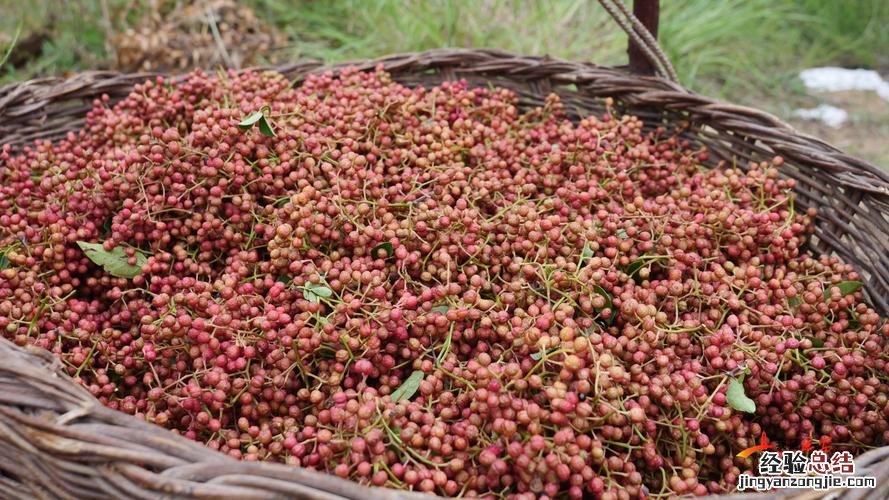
<point x="57" y="441"/>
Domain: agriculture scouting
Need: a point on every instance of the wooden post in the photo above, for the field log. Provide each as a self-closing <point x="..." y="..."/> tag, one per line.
<point x="647" y="11"/>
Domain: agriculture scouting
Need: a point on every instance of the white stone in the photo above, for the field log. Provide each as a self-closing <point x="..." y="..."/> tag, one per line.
<point x="831" y="116"/>
<point x="832" y="79"/>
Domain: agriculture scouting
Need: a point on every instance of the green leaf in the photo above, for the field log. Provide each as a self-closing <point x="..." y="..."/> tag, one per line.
<point x="284" y="279"/>
<point x="114" y="262"/>
<point x="608" y="305"/>
<point x="326" y="350"/>
<point x="312" y="291"/>
<point x="409" y="387"/>
<point x="446" y="346"/>
<point x="816" y="342"/>
<point x="634" y="267"/>
<point x="846" y="288"/>
<point x="259" y="118"/>
<point x="849" y="287"/>
<point x="591" y="330"/>
<point x="586" y="253"/>
<point x="601" y="291"/>
<point x="854" y="322"/>
<point x="4" y="261"/>
<point x="265" y="127"/>
<point x="321" y="290"/>
<point x="794" y="301"/>
<point x="308" y="295"/>
<point x="537" y="355"/>
<point x="637" y="265"/>
<point x="736" y="397"/>
<point x="622" y="234"/>
<point x="251" y="120"/>
<point x="386" y="247"/>
<point x="442" y="308"/>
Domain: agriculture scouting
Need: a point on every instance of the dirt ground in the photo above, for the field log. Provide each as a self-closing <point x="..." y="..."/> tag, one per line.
<point x="866" y="132"/>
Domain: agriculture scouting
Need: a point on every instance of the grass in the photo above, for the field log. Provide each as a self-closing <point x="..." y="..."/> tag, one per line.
<point x="720" y="47"/>
<point x="77" y="40"/>
<point x="330" y="32"/>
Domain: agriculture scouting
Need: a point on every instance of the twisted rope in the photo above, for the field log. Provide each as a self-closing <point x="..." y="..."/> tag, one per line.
<point x="640" y="35"/>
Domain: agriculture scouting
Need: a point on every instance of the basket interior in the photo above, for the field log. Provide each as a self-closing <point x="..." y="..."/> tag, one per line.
<point x="850" y="195"/>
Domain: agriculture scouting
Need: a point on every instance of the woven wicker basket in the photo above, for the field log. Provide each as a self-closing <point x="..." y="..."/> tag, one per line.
<point x="57" y="441"/>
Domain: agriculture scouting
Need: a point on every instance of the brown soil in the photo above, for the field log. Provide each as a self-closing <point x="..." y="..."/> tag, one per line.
<point x="865" y="134"/>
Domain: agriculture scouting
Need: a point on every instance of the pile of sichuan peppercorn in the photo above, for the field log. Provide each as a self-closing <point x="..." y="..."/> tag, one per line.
<point x="432" y="289"/>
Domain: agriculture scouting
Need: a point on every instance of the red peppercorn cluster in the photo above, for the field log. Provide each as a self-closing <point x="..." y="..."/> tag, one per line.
<point x="432" y="289"/>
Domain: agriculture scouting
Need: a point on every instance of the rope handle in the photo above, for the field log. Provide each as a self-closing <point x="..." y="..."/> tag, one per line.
<point x="643" y="38"/>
